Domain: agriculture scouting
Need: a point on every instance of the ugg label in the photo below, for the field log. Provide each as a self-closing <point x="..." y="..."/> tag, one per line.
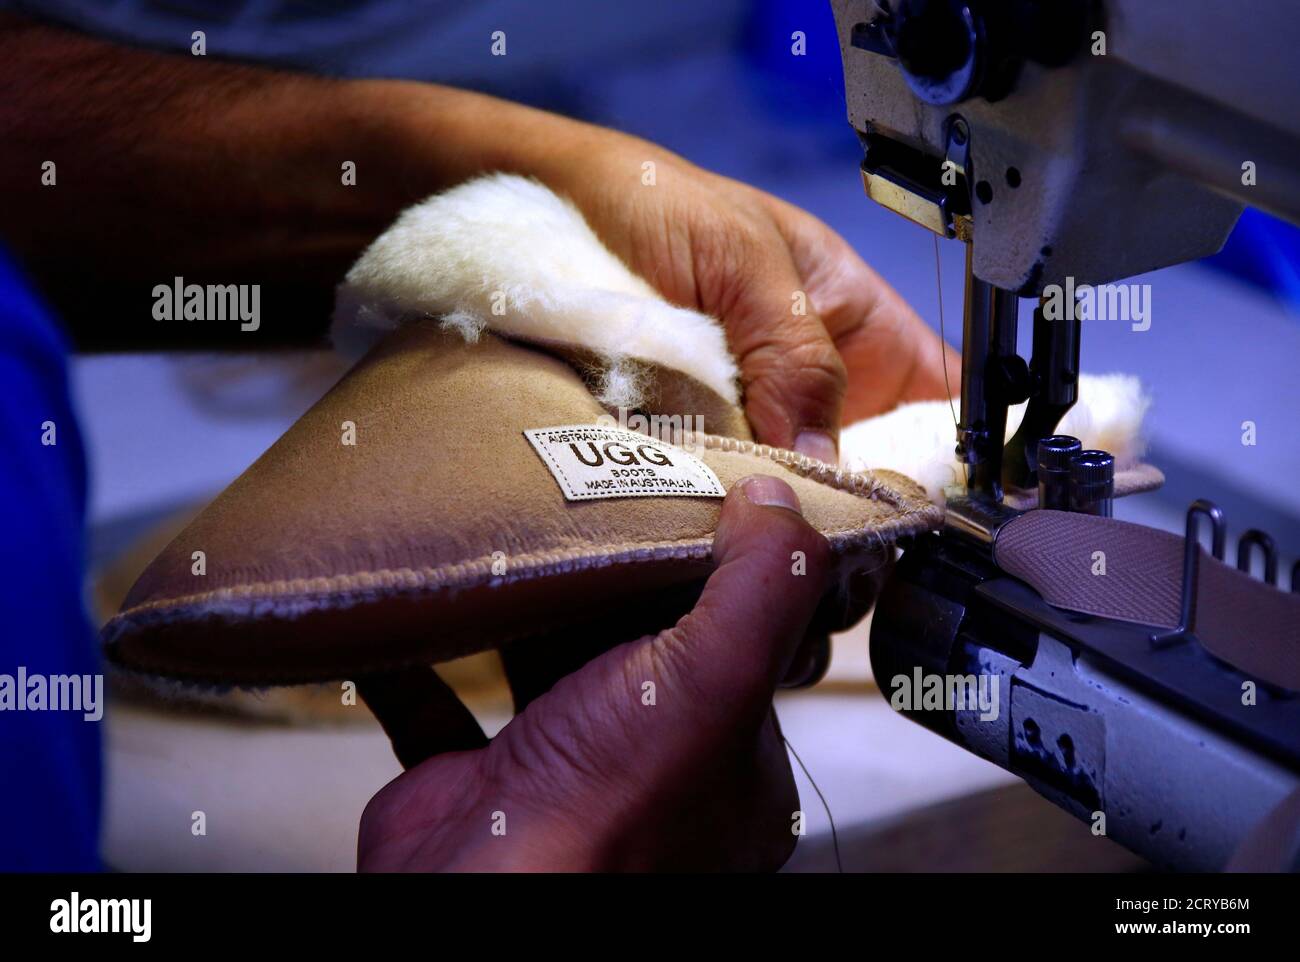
<point x="591" y="462"/>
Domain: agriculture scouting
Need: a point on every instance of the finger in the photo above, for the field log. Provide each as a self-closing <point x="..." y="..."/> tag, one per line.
<point x="851" y="596"/>
<point x="792" y="374"/>
<point x="420" y="714"/>
<point x="535" y="664"/>
<point x="890" y="354"/>
<point x="740" y="639"/>
<point x="893" y="358"/>
<point x="810" y="663"/>
<point x="936" y="374"/>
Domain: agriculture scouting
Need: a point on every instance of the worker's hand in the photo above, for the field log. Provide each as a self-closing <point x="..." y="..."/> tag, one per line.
<point x="710" y="243"/>
<point x="242" y="164"/>
<point x="663" y="753"/>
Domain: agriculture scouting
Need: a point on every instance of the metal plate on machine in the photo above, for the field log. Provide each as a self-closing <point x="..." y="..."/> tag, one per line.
<point x="1185" y="675"/>
<point x="1060" y="746"/>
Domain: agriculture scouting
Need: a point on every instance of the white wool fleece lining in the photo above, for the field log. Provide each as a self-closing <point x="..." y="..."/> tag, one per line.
<point x="918" y="439"/>
<point x="505" y="253"/>
<point x="510" y="242"/>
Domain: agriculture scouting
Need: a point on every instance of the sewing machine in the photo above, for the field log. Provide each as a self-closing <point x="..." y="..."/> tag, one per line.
<point x="1070" y="143"/>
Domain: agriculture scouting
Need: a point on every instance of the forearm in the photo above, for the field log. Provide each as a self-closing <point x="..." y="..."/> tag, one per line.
<point x="170" y="165"/>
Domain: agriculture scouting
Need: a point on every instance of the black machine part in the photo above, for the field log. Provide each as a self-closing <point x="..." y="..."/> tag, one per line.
<point x="1053" y="457"/>
<point x="1092" y="483"/>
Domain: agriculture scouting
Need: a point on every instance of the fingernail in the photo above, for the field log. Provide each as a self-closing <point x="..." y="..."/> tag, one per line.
<point x="770" y="492"/>
<point x="815" y="444"/>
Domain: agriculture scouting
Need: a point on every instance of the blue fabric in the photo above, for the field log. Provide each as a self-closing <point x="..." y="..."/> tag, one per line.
<point x="50" y="764"/>
<point x="1264" y="252"/>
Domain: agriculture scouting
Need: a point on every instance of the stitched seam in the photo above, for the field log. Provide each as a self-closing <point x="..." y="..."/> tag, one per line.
<point x="804" y="466"/>
<point x="698" y="548"/>
<point x="479" y="571"/>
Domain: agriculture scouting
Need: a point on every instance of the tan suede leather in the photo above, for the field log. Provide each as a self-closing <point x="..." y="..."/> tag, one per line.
<point x="325" y="560"/>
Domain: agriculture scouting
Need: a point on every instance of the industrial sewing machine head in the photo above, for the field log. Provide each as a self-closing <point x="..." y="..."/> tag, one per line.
<point x="1070" y="143"/>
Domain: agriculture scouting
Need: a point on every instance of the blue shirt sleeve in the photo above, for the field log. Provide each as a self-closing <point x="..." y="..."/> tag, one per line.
<point x="50" y="760"/>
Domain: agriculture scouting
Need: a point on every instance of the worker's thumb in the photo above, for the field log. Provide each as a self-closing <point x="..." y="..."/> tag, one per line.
<point x="731" y="651"/>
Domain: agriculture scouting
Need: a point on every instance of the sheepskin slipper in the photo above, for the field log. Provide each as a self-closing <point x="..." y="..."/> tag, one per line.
<point x="470" y="482"/>
<point x="444" y="529"/>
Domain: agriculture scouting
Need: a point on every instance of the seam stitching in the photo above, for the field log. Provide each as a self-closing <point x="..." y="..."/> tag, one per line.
<point x="538" y="564"/>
